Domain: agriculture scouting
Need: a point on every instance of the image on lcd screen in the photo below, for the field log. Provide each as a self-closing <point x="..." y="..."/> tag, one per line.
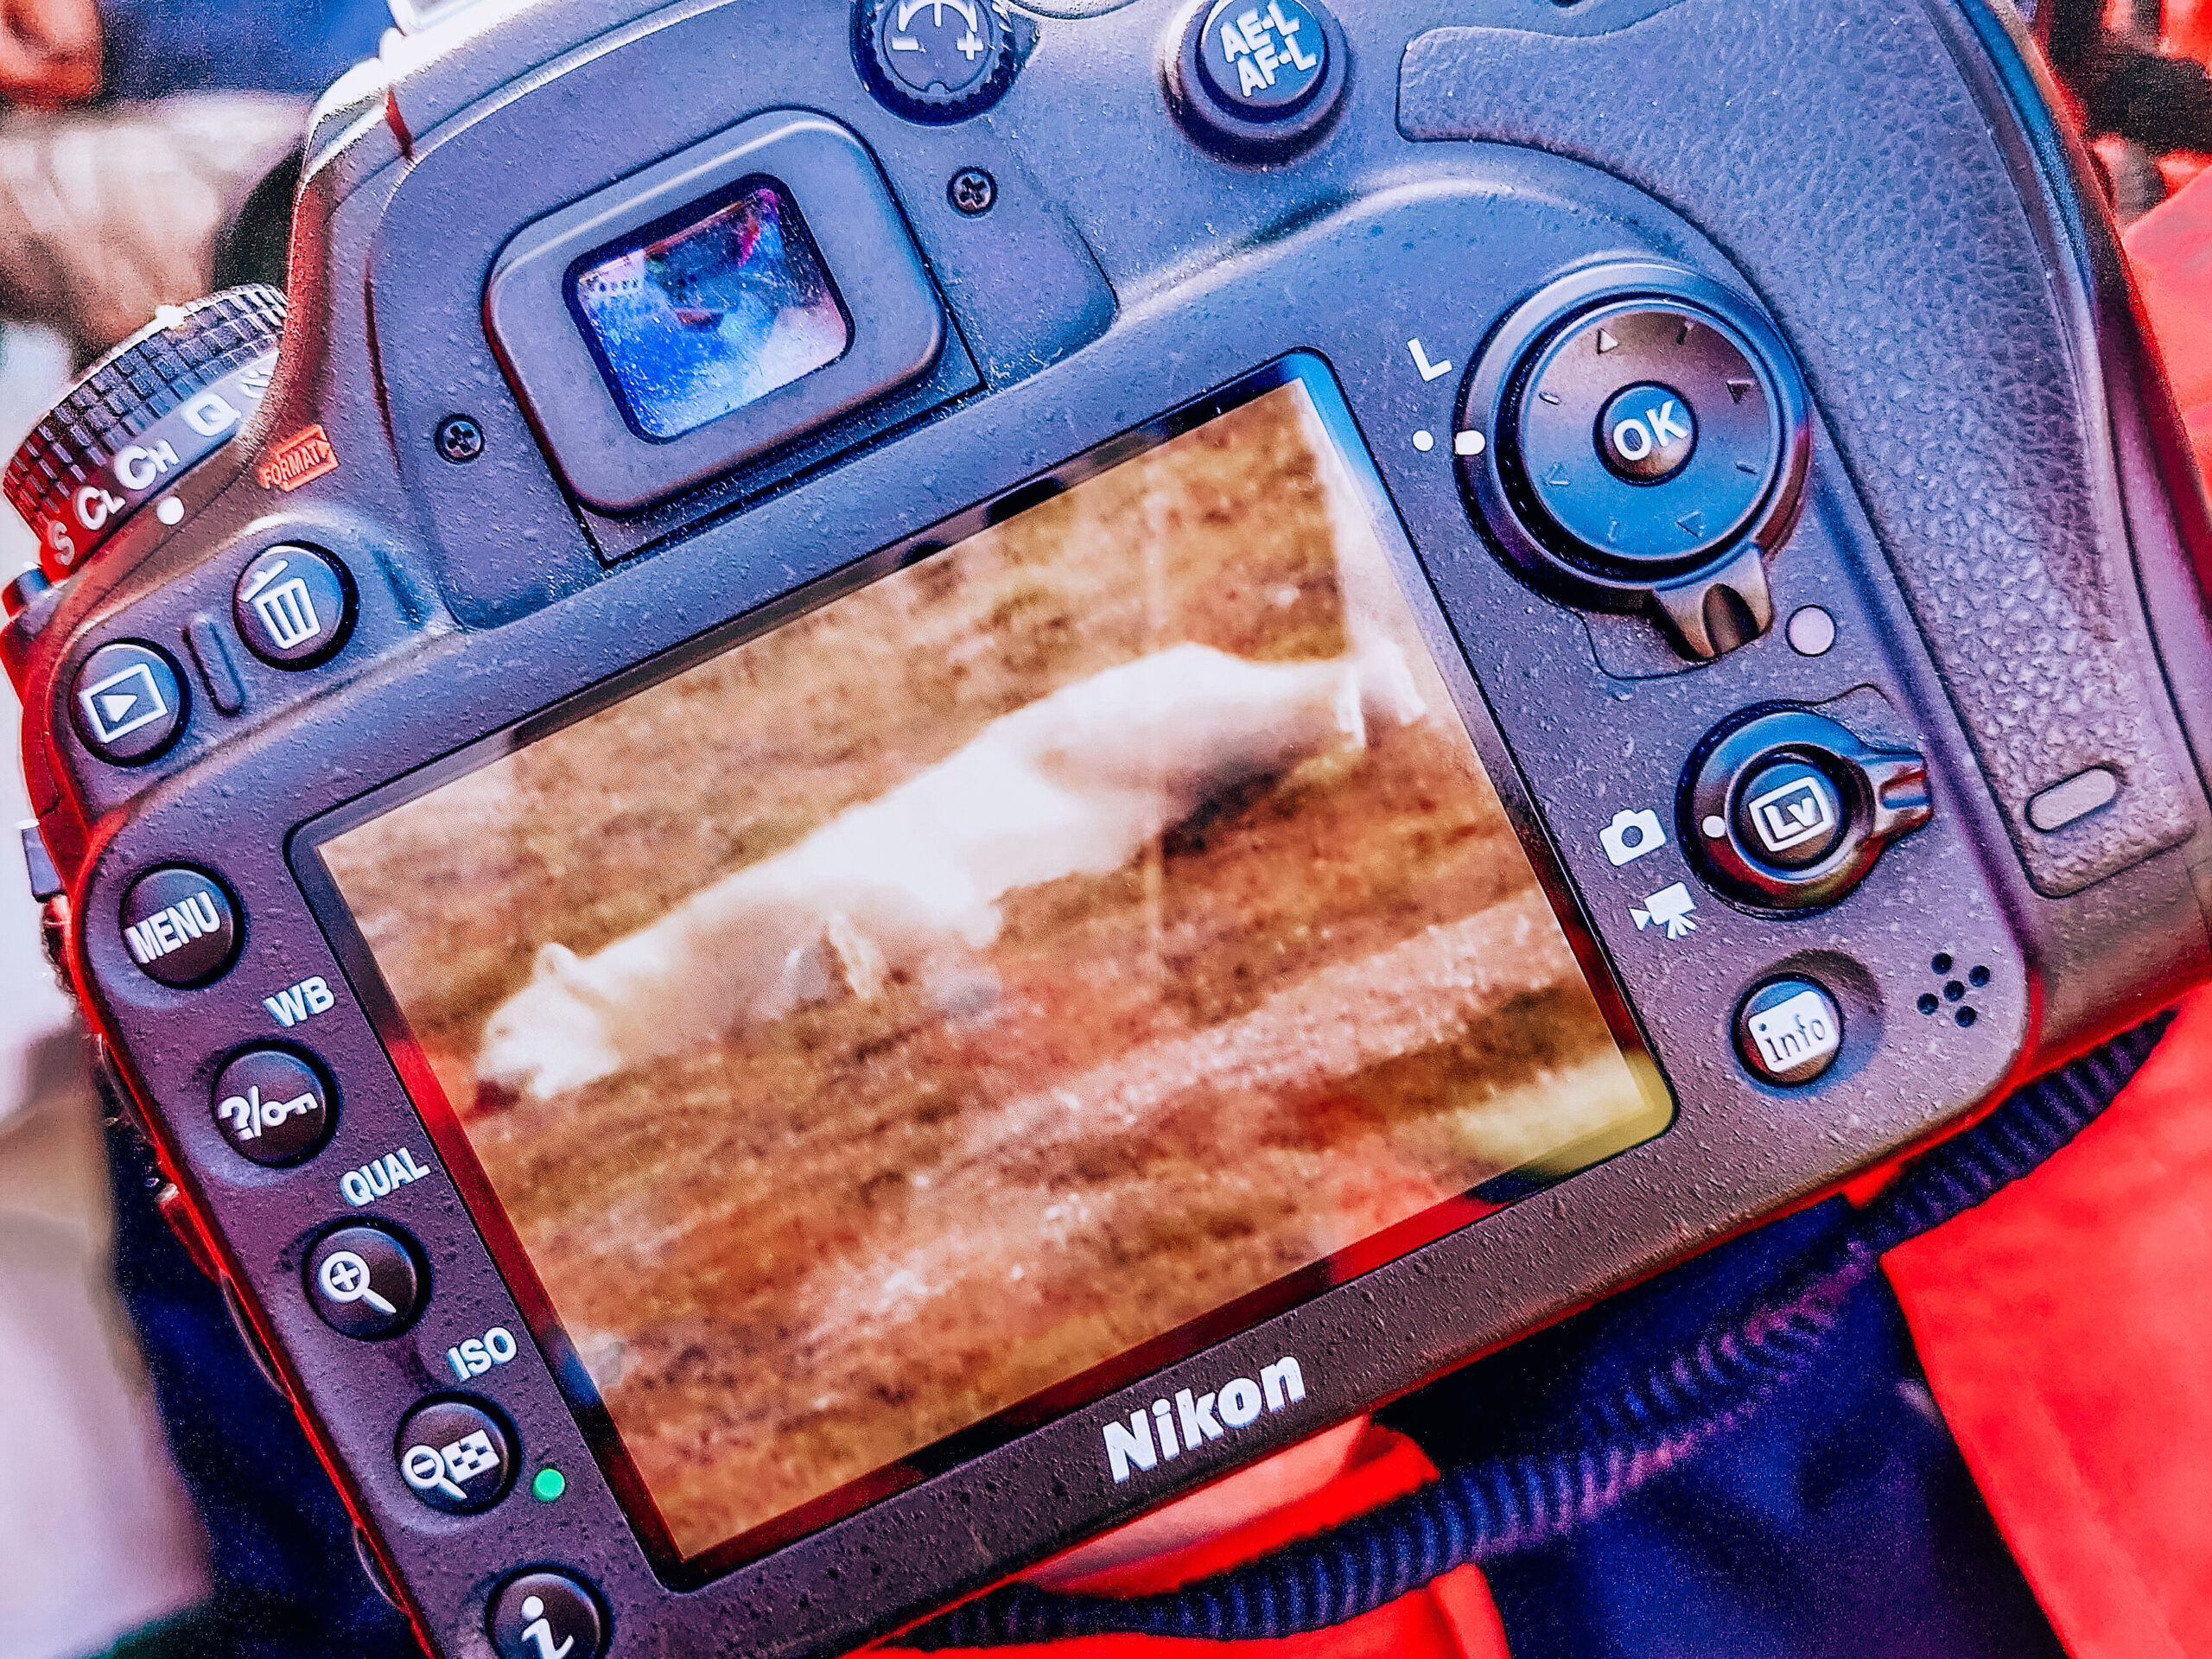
<point x="712" y="316"/>
<point x="990" y="971"/>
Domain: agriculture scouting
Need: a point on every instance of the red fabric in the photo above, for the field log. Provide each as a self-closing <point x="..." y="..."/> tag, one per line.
<point x="2169" y="248"/>
<point x="2063" y="1331"/>
<point x="2062" y="1324"/>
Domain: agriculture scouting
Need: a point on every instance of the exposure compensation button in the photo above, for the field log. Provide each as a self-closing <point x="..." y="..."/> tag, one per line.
<point x="544" y="1613"/>
<point x="180" y="926"/>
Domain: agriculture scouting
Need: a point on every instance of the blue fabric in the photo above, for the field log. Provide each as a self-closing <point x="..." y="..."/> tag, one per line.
<point x="155" y="48"/>
<point x="1839" y="1522"/>
<point x="287" y="1584"/>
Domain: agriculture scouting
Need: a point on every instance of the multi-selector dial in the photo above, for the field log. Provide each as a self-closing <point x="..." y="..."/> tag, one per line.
<point x="1649" y="448"/>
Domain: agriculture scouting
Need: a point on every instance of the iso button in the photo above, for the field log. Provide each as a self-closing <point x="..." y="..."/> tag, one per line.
<point x="365" y="1281"/>
<point x="272" y="1107"/>
<point x="456" y="1456"/>
<point x="128" y="703"/>
<point x="180" y="926"/>
<point x="293" y="605"/>
<point x="1789" y="1032"/>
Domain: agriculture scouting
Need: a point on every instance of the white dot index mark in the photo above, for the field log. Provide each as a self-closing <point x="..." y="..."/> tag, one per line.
<point x="1715" y="826"/>
<point x="170" y="510"/>
<point x="1467" y="443"/>
<point x="1424" y="441"/>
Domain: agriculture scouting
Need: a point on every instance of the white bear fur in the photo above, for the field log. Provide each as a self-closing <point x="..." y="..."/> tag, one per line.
<point x="1076" y="783"/>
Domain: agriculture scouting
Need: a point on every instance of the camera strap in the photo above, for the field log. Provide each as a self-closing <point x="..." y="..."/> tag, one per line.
<point x="1664" y="1413"/>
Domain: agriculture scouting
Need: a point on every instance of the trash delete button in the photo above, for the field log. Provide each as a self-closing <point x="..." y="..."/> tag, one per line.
<point x="293" y="605"/>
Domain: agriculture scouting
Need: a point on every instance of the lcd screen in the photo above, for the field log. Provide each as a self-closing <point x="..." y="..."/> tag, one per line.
<point x="712" y="316"/>
<point x="971" y="988"/>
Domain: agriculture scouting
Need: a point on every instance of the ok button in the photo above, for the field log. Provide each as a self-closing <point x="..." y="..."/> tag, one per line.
<point x="1647" y="433"/>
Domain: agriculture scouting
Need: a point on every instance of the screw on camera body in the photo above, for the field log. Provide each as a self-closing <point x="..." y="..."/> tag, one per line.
<point x="459" y="439"/>
<point x="972" y="191"/>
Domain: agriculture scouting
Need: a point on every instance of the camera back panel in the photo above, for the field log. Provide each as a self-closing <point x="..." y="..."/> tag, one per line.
<point x="1869" y="794"/>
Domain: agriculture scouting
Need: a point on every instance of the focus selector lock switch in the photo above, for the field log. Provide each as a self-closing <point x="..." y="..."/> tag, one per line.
<point x="1650" y="443"/>
<point x="1787" y="810"/>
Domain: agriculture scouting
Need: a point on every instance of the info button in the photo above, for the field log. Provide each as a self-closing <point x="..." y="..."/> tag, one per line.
<point x="1789" y="1031"/>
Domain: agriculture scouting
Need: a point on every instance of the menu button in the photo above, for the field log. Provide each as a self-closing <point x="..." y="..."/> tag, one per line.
<point x="180" y="926"/>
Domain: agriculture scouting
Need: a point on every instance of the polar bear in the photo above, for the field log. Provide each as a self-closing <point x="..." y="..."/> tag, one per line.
<point x="1076" y="783"/>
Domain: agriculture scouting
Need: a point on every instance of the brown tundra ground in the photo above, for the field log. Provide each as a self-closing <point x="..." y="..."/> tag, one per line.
<point x="796" y="1253"/>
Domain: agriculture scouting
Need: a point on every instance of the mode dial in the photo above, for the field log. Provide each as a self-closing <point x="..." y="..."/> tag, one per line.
<point x="939" y="60"/>
<point x="138" y="419"/>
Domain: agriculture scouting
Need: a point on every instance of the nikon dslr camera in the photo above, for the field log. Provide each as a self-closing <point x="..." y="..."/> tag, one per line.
<point x="888" y="778"/>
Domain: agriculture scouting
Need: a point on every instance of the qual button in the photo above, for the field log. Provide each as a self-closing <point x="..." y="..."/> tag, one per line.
<point x="293" y="605"/>
<point x="365" y="1281"/>
<point x="272" y="1106"/>
<point x="180" y="926"/>
<point x="129" y="703"/>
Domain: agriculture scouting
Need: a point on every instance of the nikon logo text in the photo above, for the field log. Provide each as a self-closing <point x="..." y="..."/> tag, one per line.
<point x="1148" y="1437"/>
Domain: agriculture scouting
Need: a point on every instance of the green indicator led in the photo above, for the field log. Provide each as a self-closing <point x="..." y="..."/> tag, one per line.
<point x="549" y="1486"/>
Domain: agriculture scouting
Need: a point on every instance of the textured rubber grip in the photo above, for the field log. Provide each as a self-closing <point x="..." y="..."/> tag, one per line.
<point x="165" y="398"/>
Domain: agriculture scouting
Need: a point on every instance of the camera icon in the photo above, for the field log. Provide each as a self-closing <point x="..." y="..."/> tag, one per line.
<point x="1631" y="834"/>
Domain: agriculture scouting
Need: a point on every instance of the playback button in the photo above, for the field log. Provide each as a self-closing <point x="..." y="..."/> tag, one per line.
<point x="127" y="702"/>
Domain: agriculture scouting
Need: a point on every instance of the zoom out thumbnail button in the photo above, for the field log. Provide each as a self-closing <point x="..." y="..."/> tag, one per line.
<point x="456" y="1456"/>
